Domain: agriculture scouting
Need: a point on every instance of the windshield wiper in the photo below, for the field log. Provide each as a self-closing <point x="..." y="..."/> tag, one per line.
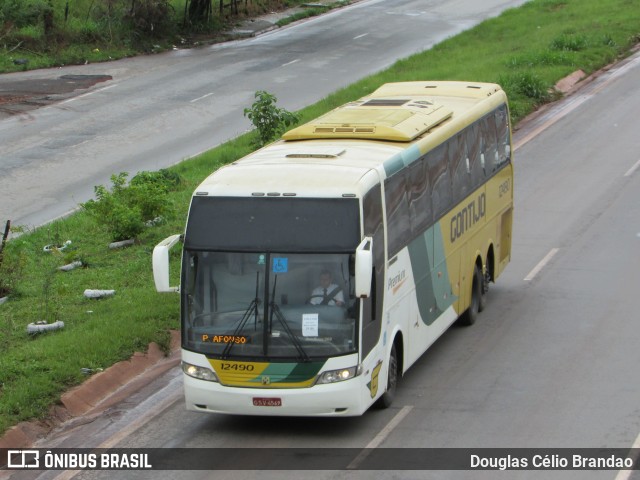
<point x="275" y="309"/>
<point x="252" y="309"/>
<point x="294" y="339"/>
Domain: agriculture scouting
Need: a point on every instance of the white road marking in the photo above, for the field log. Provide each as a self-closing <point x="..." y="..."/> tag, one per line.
<point x="89" y="93"/>
<point x="626" y="474"/>
<point x="378" y="439"/>
<point x="142" y="420"/>
<point x="632" y="169"/>
<point x="541" y="265"/>
<point x="201" y="98"/>
<point x="175" y="395"/>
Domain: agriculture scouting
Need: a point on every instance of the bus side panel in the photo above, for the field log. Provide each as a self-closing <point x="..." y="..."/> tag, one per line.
<point x="499" y="211"/>
<point x="432" y="299"/>
<point x="464" y="236"/>
<point x="504" y="257"/>
<point x="480" y="222"/>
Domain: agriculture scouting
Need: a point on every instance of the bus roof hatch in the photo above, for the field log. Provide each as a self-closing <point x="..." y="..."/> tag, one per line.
<point x="393" y="119"/>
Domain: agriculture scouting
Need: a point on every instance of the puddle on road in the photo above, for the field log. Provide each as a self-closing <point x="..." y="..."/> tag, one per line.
<point x="19" y="96"/>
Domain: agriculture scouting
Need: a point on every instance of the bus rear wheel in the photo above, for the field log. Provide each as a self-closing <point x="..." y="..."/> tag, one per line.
<point x="477" y="293"/>
<point x="387" y="397"/>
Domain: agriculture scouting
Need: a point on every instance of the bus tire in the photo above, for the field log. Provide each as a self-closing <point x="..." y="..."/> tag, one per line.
<point x="484" y="288"/>
<point x="389" y="394"/>
<point x="470" y="316"/>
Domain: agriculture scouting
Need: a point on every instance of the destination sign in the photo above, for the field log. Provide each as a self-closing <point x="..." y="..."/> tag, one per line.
<point x="238" y="339"/>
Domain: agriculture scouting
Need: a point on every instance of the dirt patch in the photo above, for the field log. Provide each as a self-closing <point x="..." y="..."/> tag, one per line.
<point x="19" y="96"/>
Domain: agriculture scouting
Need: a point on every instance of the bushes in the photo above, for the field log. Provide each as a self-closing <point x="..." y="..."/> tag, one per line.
<point x="270" y="120"/>
<point x="23" y="13"/>
<point x="527" y="84"/>
<point x="151" y="18"/>
<point x="126" y="210"/>
<point x="52" y="25"/>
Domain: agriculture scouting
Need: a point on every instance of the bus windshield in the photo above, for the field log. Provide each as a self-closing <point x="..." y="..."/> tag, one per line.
<point x="263" y="305"/>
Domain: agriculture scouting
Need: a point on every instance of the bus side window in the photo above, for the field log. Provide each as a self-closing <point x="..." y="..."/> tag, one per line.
<point x="460" y="167"/>
<point x="502" y="128"/>
<point x="420" y="214"/>
<point x="372" y="306"/>
<point x="440" y="181"/>
<point x="399" y="227"/>
<point x="490" y="143"/>
<point x="473" y="154"/>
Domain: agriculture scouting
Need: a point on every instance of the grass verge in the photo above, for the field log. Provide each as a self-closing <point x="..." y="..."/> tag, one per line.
<point x="527" y="50"/>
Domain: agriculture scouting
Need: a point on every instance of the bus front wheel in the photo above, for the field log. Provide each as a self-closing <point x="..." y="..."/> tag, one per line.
<point x="389" y="394"/>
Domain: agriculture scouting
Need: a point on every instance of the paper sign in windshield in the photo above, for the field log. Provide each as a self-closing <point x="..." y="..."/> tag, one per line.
<point x="310" y="325"/>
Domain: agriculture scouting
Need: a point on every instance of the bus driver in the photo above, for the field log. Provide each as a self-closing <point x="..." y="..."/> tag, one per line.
<point x="327" y="293"/>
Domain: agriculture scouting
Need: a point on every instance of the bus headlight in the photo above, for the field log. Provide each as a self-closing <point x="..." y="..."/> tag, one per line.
<point x="201" y="373"/>
<point x="333" y="376"/>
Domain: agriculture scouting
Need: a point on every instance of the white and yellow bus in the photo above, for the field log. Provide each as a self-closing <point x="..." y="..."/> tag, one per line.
<point x="404" y="199"/>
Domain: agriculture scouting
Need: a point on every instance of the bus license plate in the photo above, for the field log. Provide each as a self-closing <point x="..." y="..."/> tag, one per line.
<point x="267" y="402"/>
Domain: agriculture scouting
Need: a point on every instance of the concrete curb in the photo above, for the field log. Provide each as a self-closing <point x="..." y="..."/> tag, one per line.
<point x="98" y="393"/>
<point x="568" y="83"/>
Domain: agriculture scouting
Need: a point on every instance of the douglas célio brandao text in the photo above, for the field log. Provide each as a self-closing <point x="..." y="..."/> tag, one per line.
<point x="550" y="462"/>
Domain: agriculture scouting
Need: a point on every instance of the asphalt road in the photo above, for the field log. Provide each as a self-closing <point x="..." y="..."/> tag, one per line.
<point x="158" y="110"/>
<point x="551" y="363"/>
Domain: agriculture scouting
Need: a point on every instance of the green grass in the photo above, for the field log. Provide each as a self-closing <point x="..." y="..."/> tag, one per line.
<point x="527" y="49"/>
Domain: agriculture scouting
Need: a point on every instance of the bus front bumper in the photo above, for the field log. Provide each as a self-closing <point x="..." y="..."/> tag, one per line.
<point x="337" y="399"/>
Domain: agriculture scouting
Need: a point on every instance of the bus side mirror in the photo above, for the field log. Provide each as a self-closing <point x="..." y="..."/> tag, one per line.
<point x="364" y="268"/>
<point x="161" y="264"/>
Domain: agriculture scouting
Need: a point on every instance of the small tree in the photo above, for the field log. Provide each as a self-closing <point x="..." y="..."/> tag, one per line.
<point x="270" y="120"/>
